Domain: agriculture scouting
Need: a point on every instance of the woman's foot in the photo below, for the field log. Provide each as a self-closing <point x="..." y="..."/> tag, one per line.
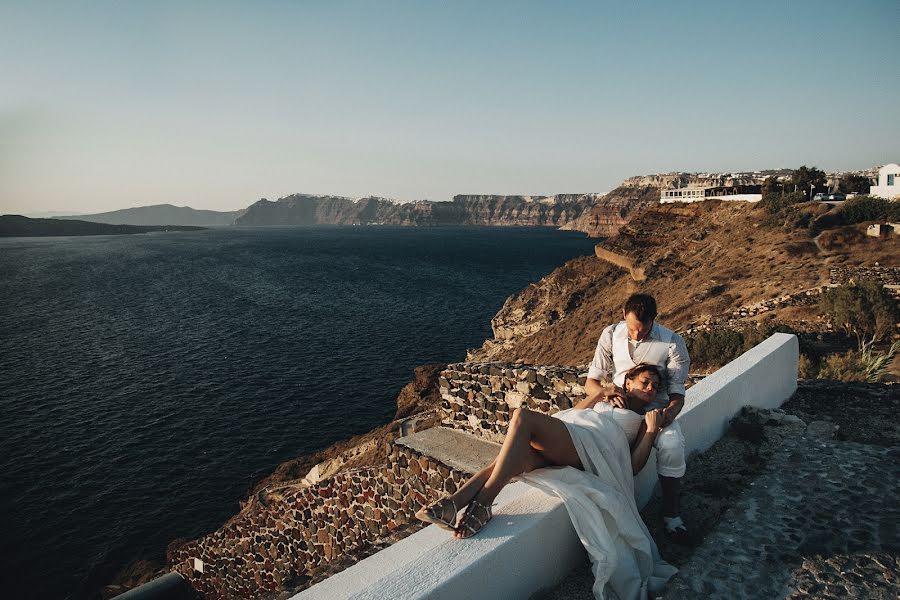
<point x="473" y="520"/>
<point x="442" y="513"/>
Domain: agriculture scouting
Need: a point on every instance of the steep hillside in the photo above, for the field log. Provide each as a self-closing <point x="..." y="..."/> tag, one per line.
<point x="699" y="260"/>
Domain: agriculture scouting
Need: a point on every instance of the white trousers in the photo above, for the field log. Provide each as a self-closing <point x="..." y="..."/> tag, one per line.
<point x="669" y="446"/>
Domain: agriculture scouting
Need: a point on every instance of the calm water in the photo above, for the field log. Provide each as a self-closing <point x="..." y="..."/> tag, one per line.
<point x="148" y="381"/>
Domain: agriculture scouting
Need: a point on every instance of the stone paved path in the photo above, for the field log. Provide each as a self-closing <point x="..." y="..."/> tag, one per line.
<point x="820" y="522"/>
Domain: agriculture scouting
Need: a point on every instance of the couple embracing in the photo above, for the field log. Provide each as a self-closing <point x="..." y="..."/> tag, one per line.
<point x="588" y="455"/>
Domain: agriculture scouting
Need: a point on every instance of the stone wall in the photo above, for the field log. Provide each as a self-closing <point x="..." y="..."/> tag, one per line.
<point x="286" y="535"/>
<point x="480" y="397"/>
<point x="844" y="275"/>
<point x="735" y="319"/>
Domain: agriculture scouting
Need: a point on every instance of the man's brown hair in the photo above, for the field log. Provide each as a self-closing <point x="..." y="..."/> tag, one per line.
<point x="642" y="305"/>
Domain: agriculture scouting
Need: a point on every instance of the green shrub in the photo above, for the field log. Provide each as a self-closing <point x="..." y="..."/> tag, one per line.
<point x="710" y="349"/>
<point x="865" y="310"/>
<point x="774" y="203"/>
<point x="714" y="348"/>
<point x="859" y="210"/>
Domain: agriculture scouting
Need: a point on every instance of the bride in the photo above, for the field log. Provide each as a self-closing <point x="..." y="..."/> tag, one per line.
<point x="601" y="442"/>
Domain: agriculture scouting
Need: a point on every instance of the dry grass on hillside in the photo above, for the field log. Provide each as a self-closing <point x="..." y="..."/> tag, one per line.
<point x="700" y="260"/>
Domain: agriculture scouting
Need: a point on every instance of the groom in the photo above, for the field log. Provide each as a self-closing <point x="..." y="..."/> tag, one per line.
<point x="635" y="340"/>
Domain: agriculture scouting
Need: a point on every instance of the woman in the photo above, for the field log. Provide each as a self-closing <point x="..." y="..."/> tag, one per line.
<point x="606" y="446"/>
<point x="535" y="440"/>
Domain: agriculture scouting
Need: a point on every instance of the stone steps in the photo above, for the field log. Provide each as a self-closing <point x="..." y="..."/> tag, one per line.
<point x="453" y="448"/>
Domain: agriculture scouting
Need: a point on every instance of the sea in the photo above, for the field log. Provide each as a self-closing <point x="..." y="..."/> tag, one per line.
<point x="147" y="381"/>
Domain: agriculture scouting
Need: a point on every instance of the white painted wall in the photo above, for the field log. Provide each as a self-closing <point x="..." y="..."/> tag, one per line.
<point x="883" y="190"/>
<point x="530" y="544"/>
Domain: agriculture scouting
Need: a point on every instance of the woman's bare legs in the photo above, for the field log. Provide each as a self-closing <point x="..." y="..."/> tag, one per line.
<point x="534" y="440"/>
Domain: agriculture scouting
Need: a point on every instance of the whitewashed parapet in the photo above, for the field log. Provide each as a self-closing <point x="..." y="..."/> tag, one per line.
<point x="480" y="397"/>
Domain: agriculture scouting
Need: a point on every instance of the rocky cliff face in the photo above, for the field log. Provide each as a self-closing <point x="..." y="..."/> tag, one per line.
<point x="599" y="215"/>
<point x="301" y="209"/>
<point x="563" y="210"/>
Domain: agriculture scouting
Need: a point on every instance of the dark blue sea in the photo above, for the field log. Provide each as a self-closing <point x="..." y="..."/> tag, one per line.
<point x="147" y="381"/>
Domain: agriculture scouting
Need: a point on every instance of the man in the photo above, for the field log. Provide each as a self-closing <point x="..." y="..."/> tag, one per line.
<point x="639" y="339"/>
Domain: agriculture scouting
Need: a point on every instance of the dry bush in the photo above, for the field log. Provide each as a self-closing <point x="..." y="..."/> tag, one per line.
<point x="798" y="249"/>
<point x="838" y="239"/>
<point x="842" y="367"/>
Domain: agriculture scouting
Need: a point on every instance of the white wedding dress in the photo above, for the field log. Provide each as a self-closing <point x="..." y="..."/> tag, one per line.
<point x="600" y="502"/>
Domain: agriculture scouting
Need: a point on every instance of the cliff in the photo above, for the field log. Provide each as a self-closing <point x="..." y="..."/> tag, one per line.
<point x="303" y="209"/>
<point x="598" y="215"/>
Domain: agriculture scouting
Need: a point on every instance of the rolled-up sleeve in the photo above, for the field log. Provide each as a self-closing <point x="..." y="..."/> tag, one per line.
<point x="602" y="365"/>
<point x="678" y="365"/>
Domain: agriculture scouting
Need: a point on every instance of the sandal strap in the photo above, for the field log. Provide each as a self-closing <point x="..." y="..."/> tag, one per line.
<point x="471" y="516"/>
<point x="486" y="508"/>
<point x="439" y="509"/>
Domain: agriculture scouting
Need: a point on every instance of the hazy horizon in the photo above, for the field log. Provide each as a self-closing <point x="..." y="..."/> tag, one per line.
<point x="213" y="106"/>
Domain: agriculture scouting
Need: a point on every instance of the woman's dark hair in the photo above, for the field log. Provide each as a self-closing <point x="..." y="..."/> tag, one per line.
<point x="633" y="372"/>
<point x="642" y="305"/>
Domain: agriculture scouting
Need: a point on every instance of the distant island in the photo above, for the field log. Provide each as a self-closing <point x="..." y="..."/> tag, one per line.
<point x="19" y="226"/>
<point x="160" y="214"/>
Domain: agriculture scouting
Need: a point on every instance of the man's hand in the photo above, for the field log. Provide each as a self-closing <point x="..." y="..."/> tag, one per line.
<point x="676" y="402"/>
<point x="667" y="416"/>
<point x="614" y="395"/>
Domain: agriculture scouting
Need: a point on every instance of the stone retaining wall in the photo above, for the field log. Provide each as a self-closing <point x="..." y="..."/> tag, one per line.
<point x="480" y="397"/>
<point x="844" y="275"/>
<point x="284" y="536"/>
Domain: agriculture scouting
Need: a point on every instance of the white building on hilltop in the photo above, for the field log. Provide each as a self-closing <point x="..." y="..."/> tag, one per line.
<point x="888" y="182"/>
<point x="697" y="194"/>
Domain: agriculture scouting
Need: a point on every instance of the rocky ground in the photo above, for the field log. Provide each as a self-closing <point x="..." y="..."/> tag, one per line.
<point x="798" y="503"/>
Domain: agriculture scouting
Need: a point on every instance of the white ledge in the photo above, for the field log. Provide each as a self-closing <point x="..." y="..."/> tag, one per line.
<point x="531" y="544"/>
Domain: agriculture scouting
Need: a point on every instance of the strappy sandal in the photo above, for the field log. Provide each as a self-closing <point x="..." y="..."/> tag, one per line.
<point x="471" y="523"/>
<point x="436" y="513"/>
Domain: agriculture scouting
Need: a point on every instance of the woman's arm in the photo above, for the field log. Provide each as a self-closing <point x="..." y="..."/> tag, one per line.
<point x="590" y="401"/>
<point x="645" y="438"/>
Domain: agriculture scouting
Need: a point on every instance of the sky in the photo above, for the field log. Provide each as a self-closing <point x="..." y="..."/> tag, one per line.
<point x="214" y="105"/>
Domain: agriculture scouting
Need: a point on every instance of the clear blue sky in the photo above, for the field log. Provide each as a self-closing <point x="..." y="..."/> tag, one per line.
<point x="106" y="105"/>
